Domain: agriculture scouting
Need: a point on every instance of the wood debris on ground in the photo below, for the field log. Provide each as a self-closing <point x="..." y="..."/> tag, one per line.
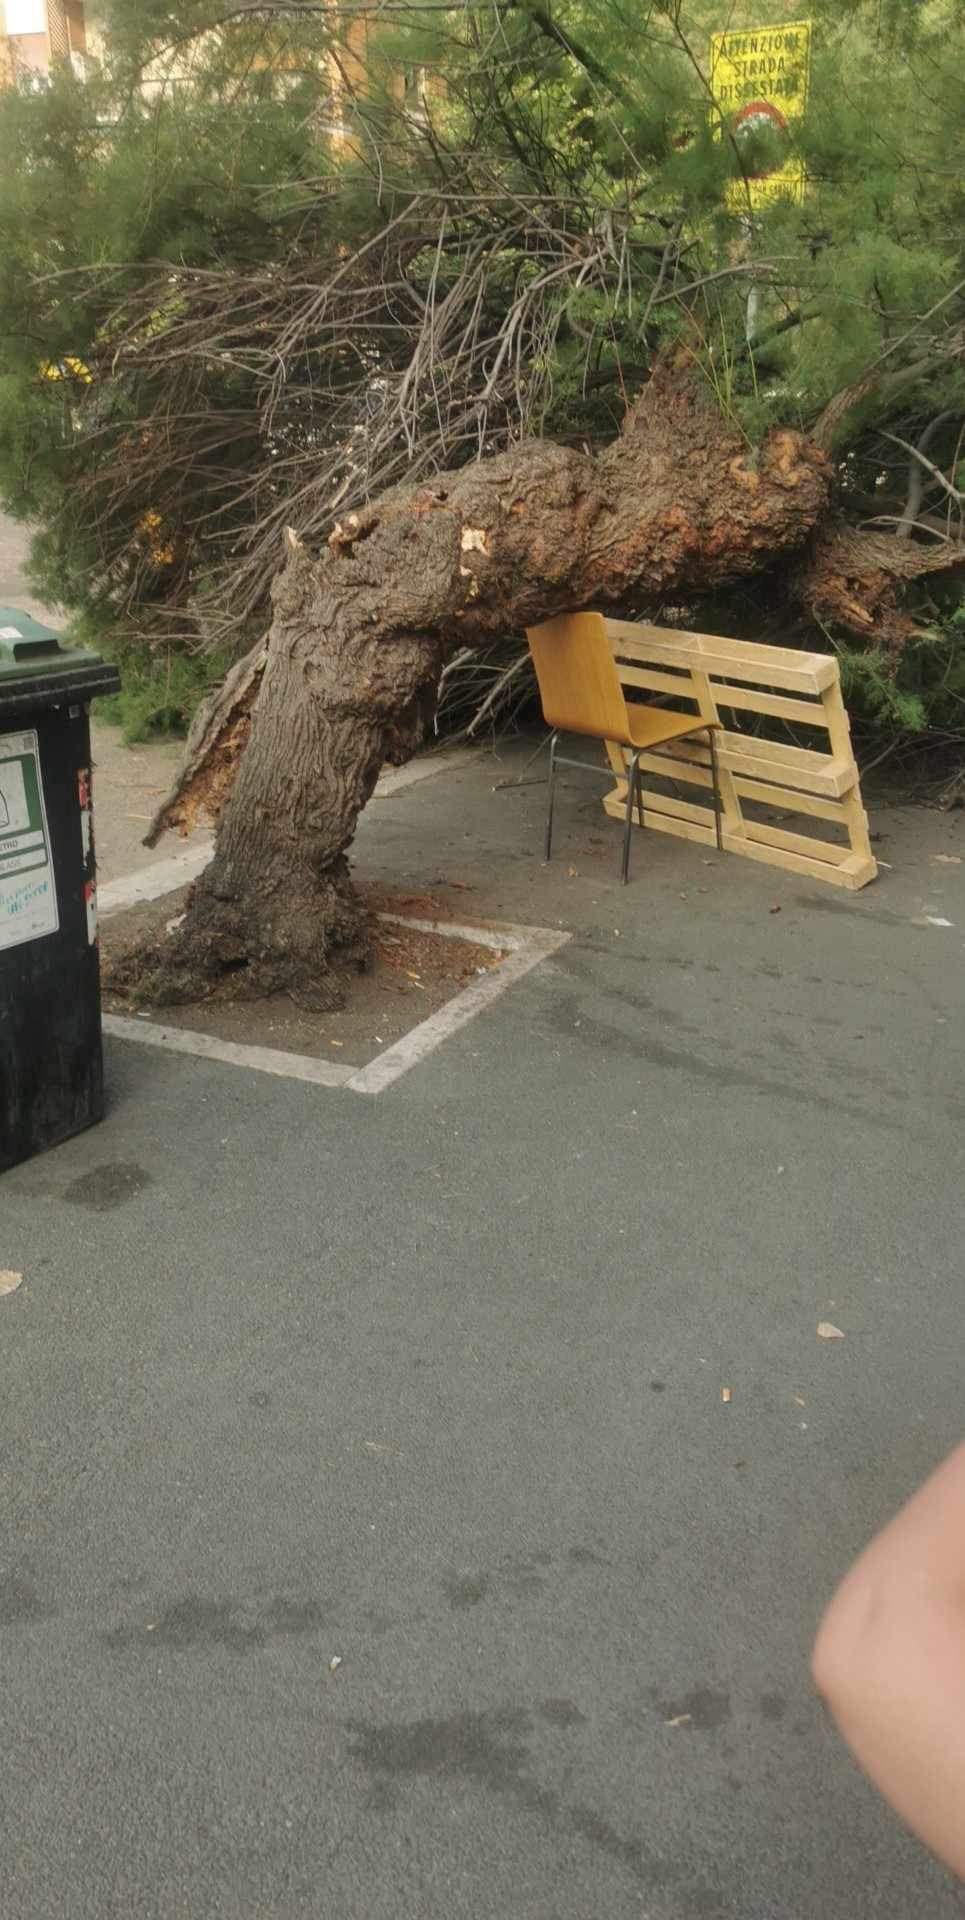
<point x="425" y="957"/>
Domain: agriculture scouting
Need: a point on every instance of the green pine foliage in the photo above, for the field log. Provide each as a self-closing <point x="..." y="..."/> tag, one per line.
<point x="252" y="273"/>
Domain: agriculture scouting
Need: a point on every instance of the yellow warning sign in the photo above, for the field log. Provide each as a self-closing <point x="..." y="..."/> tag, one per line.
<point x="759" y="77"/>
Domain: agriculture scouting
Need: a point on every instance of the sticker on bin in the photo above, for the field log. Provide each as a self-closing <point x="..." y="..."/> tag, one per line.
<point x="28" y="893"/>
<point x="86" y="803"/>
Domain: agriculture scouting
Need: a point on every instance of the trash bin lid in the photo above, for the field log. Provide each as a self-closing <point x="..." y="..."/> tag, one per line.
<point x="37" y="671"/>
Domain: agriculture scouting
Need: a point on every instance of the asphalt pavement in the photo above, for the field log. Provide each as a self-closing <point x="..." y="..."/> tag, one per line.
<point x="376" y="1541"/>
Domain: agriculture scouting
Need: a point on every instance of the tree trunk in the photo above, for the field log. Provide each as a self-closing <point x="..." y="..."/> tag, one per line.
<point x="855" y="580"/>
<point x="360" y="635"/>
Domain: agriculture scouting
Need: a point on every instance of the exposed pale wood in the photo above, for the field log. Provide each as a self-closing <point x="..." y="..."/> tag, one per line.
<point x="790" y="799"/>
<point x="861" y="864"/>
<point x="580" y="688"/>
<point x="839" y="730"/>
<point x="577" y="685"/>
<point x="670" y="805"/>
<point x="761" y="830"/>
<point x="655" y="680"/>
<point x="218" y="736"/>
<point x="581" y="692"/>
<point x="829" y="850"/>
<point x="796" y="767"/>
<point x="650" y="726"/>
<point x="859" y="832"/>
<point x="660" y="763"/>
<point x="758" y="830"/>
<point x="804" y="713"/>
<point x="693" y="752"/>
<point x="699" y="670"/>
<point x="853" y="873"/>
<point x="706" y="700"/>
<point x="843" y="875"/>
<point x="837" y="722"/>
<point x="743" y="659"/>
<point x="793" y="801"/>
<point x="687" y="828"/>
<point x="617" y="759"/>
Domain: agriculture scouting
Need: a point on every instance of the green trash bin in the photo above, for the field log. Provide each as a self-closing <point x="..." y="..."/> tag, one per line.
<point x="51" y="1066"/>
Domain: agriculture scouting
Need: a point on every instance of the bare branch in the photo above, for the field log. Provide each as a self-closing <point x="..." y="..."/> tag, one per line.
<point x="954" y="493"/>
<point x="916" y="484"/>
<point x="542" y="19"/>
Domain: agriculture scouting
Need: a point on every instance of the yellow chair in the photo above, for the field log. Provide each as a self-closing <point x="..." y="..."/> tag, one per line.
<point x="581" y="693"/>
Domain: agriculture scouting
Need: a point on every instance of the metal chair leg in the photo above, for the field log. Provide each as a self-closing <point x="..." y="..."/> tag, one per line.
<point x="552" y="795"/>
<point x="633" y="780"/>
<point x="715" y="777"/>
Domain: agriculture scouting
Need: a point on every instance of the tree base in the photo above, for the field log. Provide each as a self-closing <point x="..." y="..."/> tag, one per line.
<point x="227" y="944"/>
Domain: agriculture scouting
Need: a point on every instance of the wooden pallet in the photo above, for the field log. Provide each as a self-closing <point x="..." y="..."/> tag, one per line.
<point x="723" y="680"/>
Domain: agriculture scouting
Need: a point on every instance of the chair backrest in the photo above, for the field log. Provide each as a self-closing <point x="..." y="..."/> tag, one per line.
<point x="578" y="681"/>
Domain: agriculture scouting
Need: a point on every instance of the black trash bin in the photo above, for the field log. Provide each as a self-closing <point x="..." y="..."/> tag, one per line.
<point x="51" y="1067"/>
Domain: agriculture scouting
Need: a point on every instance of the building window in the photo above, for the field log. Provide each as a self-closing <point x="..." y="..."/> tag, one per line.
<point x="58" y="30"/>
<point x="26" y="16"/>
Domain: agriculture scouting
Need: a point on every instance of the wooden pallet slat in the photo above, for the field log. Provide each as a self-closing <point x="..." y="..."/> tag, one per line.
<point x="698" y="774"/>
<point x="654" y="680"/>
<point x="740" y="659"/>
<point x="761" y="830"/>
<point x="707" y="673"/>
<point x="852" y="871"/>
<point x="803" y="713"/>
<point x="810" y="804"/>
<point x="794" y="768"/>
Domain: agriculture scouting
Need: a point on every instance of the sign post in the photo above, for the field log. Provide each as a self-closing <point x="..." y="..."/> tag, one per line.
<point x="760" y="77"/>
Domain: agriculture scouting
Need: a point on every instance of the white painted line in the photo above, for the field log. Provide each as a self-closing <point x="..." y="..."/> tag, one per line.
<point x="394" y="779"/>
<point x="501" y="939"/>
<point x="154" y="881"/>
<point x="524" y="947"/>
<point x="166" y="876"/>
<point x="288" y="1066"/>
<point x="414" y="1047"/>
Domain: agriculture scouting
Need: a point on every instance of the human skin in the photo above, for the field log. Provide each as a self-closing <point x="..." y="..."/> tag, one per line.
<point x="889" y="1661"/>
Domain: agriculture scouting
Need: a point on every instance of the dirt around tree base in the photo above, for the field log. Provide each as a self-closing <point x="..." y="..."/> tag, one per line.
<point x="412" y="974"/>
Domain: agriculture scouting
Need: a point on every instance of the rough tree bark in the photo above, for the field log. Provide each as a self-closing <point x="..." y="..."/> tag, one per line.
<point x="854" y="580"/>
<point x="290" y="751"/>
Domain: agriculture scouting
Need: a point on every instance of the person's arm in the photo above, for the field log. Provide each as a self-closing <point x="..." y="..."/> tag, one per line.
<point x="890" y="1662"/>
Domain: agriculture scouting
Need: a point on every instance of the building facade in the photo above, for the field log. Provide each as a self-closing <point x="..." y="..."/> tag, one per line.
<point x="37" y="32"/>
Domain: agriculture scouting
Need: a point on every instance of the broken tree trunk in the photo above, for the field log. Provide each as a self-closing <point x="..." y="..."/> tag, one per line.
<point x="290" y="751"/>
<point x="854" y="581"/>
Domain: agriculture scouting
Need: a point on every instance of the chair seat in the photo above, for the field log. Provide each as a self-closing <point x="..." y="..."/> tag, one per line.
<point x="650" y="726"/>
<point x="581" y="693"/>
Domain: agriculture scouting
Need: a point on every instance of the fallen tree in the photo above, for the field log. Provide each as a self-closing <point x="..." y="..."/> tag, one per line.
<point x="395" y="294"/>
<point x="288" y="754"/>
<point x="855" y="581"/>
